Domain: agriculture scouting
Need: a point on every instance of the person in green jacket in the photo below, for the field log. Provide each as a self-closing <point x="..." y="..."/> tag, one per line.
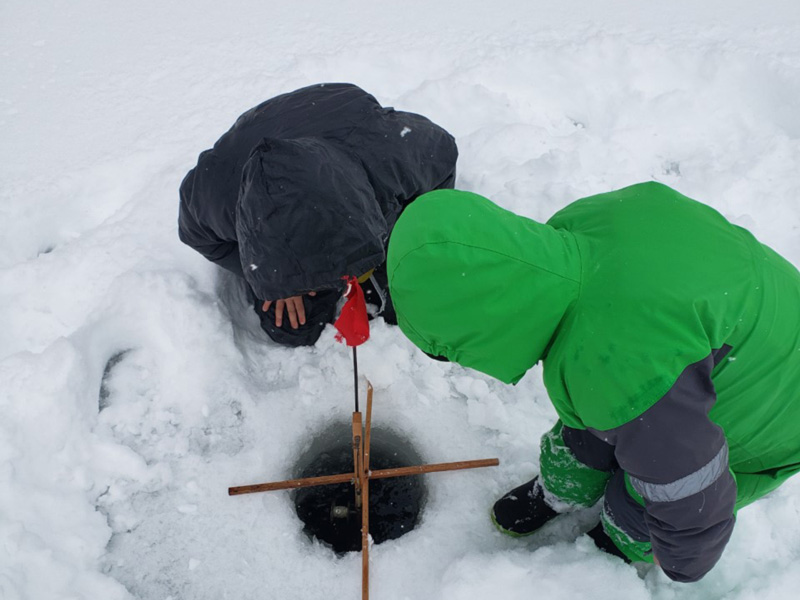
<point x="670" y="341"/>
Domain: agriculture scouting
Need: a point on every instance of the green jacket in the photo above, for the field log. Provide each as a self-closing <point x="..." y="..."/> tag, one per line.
<point x="648" y="309"/>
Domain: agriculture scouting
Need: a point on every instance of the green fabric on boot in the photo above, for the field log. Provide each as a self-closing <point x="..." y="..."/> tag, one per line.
<point x="564" y="478"/>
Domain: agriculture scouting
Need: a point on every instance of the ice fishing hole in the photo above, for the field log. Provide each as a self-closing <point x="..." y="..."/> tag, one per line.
<point x="329" y="512"/>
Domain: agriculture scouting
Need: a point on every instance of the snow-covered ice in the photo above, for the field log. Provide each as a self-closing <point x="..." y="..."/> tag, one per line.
<point x="113" y="480"/>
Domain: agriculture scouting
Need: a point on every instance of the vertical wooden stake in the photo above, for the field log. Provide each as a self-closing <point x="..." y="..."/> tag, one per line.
<point x="368" y="427"/>
<point x="365" y="499"/>
<point x="365" y="539"/>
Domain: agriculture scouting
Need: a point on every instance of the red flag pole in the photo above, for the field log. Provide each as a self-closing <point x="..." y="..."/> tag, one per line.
<point x="355" y="375"/>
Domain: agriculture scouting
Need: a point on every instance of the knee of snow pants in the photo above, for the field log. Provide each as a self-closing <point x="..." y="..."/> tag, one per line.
<point x="694" y="547"/>
<point x="575" y="467"/>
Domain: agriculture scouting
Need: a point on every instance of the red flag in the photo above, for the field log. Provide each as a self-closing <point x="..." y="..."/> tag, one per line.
<point x="353" y="324"/>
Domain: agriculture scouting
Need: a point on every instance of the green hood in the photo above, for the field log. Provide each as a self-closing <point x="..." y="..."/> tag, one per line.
<point x="479" y="285"/>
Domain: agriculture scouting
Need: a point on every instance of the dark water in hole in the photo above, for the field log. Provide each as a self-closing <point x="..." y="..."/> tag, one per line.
<point x="394" y="503"/>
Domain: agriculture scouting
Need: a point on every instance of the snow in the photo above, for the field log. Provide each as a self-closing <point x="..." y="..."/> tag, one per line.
<point x="105" y="106"/>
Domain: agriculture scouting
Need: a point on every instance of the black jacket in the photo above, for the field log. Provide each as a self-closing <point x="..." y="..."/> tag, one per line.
<point x="306" y="187"/>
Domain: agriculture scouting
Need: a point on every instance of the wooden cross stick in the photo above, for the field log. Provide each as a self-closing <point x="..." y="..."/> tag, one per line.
<point x="293" y="484"/>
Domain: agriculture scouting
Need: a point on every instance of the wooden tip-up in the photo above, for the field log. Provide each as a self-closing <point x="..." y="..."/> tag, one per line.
<point x="361" y="476"/>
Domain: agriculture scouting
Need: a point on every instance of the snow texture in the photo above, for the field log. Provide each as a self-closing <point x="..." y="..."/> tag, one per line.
<point x="135" y="383"/>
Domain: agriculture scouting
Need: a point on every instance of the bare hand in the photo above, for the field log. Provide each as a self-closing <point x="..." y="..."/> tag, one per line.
<point x="293" y="305"/>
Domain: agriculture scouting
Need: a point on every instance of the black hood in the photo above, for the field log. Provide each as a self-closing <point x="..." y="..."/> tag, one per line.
<point x="306" y="217"/>
<point x="305" y="187"/>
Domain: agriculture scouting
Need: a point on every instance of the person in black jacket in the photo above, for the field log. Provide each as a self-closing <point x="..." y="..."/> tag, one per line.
<point x="304" y="190"/>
